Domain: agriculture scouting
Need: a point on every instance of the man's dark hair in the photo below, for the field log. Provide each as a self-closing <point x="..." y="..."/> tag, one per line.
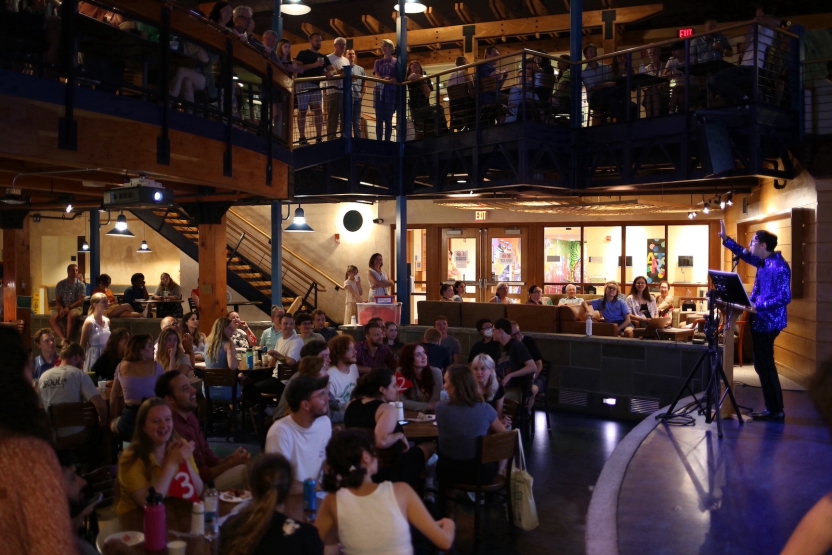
<point x="440" y="318"/>
<point x="768" y="239"/>
<point x="313" y="348"/>
<point x="587" y="47"/>
<point x="481" y="322"/>
<point x="372" y="324"/>
<point x="444" y="287"/>
<point x="163" y="388"/>
<point x="490" y="49"/>
<point x="288" y="315"/>
<point x="71" y="350"/>
<point x="503" y="324"/>
<point x="104" y="279"/>
<point x="136" y="278"/>
<point x="303" y="317"/>
<point x="313" y="35"/>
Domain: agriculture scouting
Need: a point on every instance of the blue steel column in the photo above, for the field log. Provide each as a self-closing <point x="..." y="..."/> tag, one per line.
<point x="277" y="248"/>
<point x="575" y="112"/>
<point x="277" y="20"/>
<point x="402" y="277"/>
<point x="95" y="250"/>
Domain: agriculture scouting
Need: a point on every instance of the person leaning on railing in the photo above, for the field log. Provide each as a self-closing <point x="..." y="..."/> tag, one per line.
<point x="311" y="63"/>
<point x="359" y="87"/>
<point x="424" y="115"/>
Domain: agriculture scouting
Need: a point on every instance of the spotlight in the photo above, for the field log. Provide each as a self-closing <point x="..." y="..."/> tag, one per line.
<point x="691" y="215"/>
<point x="707" y="208"/>
<point x="85" y="247"/>
<point x="68" y="208"/>
<point x="609" y="401"/>
<point x="729" y="200"/>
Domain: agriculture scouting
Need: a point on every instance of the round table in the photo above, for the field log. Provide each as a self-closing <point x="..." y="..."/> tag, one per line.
<point x="419" y="430"/>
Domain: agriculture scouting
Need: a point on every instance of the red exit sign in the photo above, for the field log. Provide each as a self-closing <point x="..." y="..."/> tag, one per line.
<point x="685" y="33"/>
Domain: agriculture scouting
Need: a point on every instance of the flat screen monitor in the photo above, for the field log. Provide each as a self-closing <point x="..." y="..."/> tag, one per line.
<point x="685" y="261"/>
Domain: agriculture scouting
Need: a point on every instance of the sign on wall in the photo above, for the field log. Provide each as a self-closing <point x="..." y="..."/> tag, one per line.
<point x="461" y="259"/>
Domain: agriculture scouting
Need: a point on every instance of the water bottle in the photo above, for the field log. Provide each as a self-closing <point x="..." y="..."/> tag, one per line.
<point x="211" y="517"/>
<point x="155" y="528"/>
<point x="589" y="326"/>
<point x="400" y="410"/>
<point x="198" y="519"/>
<point x="249" y="358"/>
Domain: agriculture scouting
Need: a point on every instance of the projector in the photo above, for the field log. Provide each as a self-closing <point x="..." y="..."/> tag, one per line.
<point x="141" y="196"/>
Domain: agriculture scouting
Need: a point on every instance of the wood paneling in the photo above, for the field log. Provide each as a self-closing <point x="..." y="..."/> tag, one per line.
<point x="16" y="275"/>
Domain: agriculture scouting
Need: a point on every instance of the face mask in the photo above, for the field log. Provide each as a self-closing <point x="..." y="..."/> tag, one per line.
<point x="488" y="333"/>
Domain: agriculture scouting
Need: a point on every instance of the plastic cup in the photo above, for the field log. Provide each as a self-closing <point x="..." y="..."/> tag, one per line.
<point x="102" y="384"/>
<point x="177" y="547"/>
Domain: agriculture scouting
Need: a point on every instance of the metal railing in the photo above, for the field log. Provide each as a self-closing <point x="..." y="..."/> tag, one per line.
<point x="817" y="82"/>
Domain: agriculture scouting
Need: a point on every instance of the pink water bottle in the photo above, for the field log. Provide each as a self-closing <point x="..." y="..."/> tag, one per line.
<point x="155" y="528"/>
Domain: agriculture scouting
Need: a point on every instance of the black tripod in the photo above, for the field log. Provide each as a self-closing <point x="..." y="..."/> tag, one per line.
<point x="711" y="360"/>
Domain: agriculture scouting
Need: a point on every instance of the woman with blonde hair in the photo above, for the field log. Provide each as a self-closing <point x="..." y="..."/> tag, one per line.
<point x="170" y="353"/>
<point x="262" y="527"/>
<point x="154" y="457"/>
<point x="96" y="330"/>
<point x="492" y="391"/>
<point x="220" y="352"/>
<point x="501" y="294"/>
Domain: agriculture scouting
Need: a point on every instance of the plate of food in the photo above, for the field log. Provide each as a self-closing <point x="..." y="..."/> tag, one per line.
<point x="422" y="417"/>
<point x="235" y="495"/>
<point x="127" y="538"/>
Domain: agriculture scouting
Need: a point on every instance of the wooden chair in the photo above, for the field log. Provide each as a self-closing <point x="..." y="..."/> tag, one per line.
<point x="519" y="415"/>
<point x="220" y="377"/>
<point x="460" y="97"/>
<point x="71" y="415"/>
<point x="493" y="448"/>
<point x="101" y="480"/>
<point x="490" y="111"/>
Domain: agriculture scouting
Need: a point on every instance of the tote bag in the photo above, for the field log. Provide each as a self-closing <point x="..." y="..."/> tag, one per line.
<point x="522" y="497"/>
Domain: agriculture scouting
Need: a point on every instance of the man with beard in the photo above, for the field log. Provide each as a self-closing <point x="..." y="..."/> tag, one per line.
<point x="372" y="352"/>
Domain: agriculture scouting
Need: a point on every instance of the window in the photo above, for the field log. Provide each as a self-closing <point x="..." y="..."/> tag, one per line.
<point x="602" y="251"/>
<point x="647" y="246"/>
<point x="562" y="261"/>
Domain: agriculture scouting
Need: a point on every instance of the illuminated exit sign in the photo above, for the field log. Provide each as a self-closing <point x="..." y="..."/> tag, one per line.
<point x="685" y="33"/>
<point x="480" y="215"/>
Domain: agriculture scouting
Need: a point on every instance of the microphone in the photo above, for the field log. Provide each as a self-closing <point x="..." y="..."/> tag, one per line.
<point x="735" y="260"/>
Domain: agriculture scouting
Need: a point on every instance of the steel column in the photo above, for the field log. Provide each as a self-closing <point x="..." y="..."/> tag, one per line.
<point x="277" y="248"/>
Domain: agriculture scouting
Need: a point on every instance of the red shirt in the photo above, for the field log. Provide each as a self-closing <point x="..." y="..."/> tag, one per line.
<point x="188" y="429"/>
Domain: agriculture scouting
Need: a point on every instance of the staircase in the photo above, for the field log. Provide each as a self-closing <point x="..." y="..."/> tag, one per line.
<point x="249" y="258"/>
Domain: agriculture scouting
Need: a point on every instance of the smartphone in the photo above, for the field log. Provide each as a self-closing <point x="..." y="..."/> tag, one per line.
<point x="403" y="422"/>
<point x="95" y="500"/>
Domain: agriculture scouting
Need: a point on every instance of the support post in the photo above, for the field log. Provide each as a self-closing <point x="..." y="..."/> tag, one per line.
<point x="401" y="104"/>
<point x="402" y="276"/>
<point x="16" y="269"/>
<point x="277" y="19"/>
<point x="277" y="252"/>
<point x="575" y="113"/>
<point x="213" y="283"/>
<point x="95" y="247"/>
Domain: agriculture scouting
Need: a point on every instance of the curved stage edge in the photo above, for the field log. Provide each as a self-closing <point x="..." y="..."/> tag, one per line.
<point x="680" y="490"/>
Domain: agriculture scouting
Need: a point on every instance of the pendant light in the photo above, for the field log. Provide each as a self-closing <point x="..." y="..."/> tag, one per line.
<point x="299" y="224"/>
<point x="120" y="229"/>
<point x="294" y="7"/>
<point x="412" y="6"/>
<point x="144" y="247"/>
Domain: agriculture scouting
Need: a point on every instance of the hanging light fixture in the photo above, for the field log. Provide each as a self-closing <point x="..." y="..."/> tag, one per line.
<point x="721" y="202"/>
<point x="85" y="247"/>
<point x="729" y="199"/>
<point x="412" y="6"/>
<point x="299" y="224"/>
<point x="120" y="229"/>
<point x="144" y="247"/>
<point x="707" y="208"/>
<point x="294" y="7"/>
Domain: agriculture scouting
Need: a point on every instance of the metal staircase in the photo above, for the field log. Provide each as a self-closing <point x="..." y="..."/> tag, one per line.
<point x="249" y="258"/>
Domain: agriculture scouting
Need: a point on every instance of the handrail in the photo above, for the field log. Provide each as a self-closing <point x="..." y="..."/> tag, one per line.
<point x="287" y="249"/>
<point x="233" y="225"/>
<point x="817" y="61"/>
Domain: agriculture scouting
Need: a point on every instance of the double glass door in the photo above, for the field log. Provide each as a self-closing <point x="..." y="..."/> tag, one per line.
<point x="484" y="257"/>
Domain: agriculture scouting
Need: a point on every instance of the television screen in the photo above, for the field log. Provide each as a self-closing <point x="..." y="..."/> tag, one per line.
<point x="685" y="261"/>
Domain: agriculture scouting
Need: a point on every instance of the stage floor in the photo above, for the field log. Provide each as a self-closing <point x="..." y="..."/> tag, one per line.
<point x="680" y="490"/>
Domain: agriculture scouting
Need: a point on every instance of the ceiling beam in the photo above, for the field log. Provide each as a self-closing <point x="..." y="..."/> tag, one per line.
<point x="375" y="26"/>
<point x="536" y="7"/>
<point x="436" y="19"/>
<point x="308" y="28"/>
<point x="465" y="14"/>
<point x="411" y="25"/>
<point x="293" y="38"/>
<point x="344" y="29"/>
<point x="498" y="29"/>
<point x="500" y="10"/>
<point x="449" y="55"/>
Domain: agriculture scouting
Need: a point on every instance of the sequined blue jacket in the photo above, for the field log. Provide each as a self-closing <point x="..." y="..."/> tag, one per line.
<point x="772" y="288"/>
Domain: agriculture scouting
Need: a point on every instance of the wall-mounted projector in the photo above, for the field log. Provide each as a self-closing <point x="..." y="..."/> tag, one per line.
<point x="142" y="196"/>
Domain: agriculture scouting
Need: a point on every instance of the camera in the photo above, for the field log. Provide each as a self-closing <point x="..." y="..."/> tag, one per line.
<point x="378" y="221"/>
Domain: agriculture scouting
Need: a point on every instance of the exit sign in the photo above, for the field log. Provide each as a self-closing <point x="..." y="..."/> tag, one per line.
<point x="685" y="33"/>
<point x="480" y="215"/>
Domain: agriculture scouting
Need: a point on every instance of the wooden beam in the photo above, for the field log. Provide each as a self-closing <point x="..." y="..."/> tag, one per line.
<point x="435" y="18"/>
<point x="344" y="29"/>
<point x="411" y="25"/>
<point x="17" y="279"/>
<point x="212" y="276"/>
<point x="294" y="39"/>
<point x="308" y="28"/>
<point x="499" y="9"/>
<point x="465" y="14"/>
<point x="449" y="55"/>
<point x="499" y="29"/>
<point x="536" y="7"/>
<point x="375" y="26"/>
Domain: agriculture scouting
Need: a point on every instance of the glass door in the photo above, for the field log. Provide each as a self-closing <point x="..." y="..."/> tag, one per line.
<point x="463" y="261"/>
<point x="417" y="258"/>
<point x="505" y="262"/>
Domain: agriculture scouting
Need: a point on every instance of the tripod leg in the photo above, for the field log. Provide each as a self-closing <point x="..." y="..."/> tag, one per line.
<point x="717" y="407"/>
<point x="686" y="385"/>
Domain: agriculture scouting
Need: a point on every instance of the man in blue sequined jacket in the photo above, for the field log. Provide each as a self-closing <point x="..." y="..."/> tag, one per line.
<point x="769" y="297"/>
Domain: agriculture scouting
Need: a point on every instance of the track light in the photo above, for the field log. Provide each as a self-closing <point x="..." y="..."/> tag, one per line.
<point x="729" y="199"/>
<point x="691" y="215"/>
<point x="69" y="208"/>
<point x="707" y="208"/>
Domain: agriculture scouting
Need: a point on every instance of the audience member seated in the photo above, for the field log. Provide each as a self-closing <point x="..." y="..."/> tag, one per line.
<point x="536" y="296"/>
<point x="343" y="375"/>
<point x="303" y="322"/>
<point x="221" y="353"/>
<point x="372" y="352"/>
<point x="543" y="66"/>
<point x="459" y="290"/>
<point x="600" y="86"/>
<point x="75" y="486"/>
<point x="243" y="337"/>
<point x="112" y="355"/>
<point x="136" y="377"/>
<point x="571" y="298"/>
<point x="70" y="294"/>
<point x="165" y="291"/>
<point x="486" y="345"/>
<point x="516" y="98"/>
<point x="561" y="98"/>
<point x="190" y="326"/>
<point x="35" y="501"/>
<point x="447" y="342"/>
<point x="664" y="302"/>
<point x="446" y="292"/>
<point x="67" y="383"/>
<point x="370" y="409"/>
<point x="516" y="369"/>
<point x="534" y="351"/>
<point x="652" y="95"/>
<point x="490" y="105"/>
<point x="137" y="292"/>
<point x="170" y="355"/>
<point x="438" y="356"/>
<point x="391" y="338"/>
<point x="641" y="304"/>
<point x="115" y="310"/>
<point x="270" y="335"/>
<point x="48" y="358"/>
<point x="155" y="456"/>
<point x="677" y="78"/>
<point x="312" y="365"/>
<point x="710" y="45"/>
<point x="366" y="517"/>
<point x="501" y="294"/>
<point x="96" y="330"/>
<point x="286" y="350"/>
<point x="422" y="383"/>
<point x="227" y="473"/>
<point x="492" y="391"/>
<point x="302" y="436"/>
<point x="189" y="80"/>
<point x="261" y="527"/>
<point x="614" y="309"/>
<point x="424" y="115"/>
<point x="461" y="419"/>
<point x="319" y="325"/>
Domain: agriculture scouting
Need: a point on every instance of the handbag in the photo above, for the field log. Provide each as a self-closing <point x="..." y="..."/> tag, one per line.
<point x="522" y="496"/>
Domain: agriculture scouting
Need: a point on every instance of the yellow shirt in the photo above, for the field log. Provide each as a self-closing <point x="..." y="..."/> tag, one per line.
<point x="134" y="476"/>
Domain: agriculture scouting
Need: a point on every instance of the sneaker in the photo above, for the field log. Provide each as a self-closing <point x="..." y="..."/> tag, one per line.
<point x="303" y="141"/>
<point x="318" y="140"/>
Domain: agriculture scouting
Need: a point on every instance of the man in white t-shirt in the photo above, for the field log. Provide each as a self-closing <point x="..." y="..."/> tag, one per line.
<point x="67" y="383"/>
<point x="342" y="376"/>
<point x="335" y="91"/>
<point x="286" y="351"/>
<point x="302" y="436"/>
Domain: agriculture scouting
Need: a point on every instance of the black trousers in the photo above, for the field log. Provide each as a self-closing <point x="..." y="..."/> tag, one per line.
<point x="766" y="370"/>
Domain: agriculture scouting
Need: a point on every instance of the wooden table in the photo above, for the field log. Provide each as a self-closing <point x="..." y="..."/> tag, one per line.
<point x="676" y="334"/>
<point x="419" y="430"/>
<point x="178" y="514"/>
